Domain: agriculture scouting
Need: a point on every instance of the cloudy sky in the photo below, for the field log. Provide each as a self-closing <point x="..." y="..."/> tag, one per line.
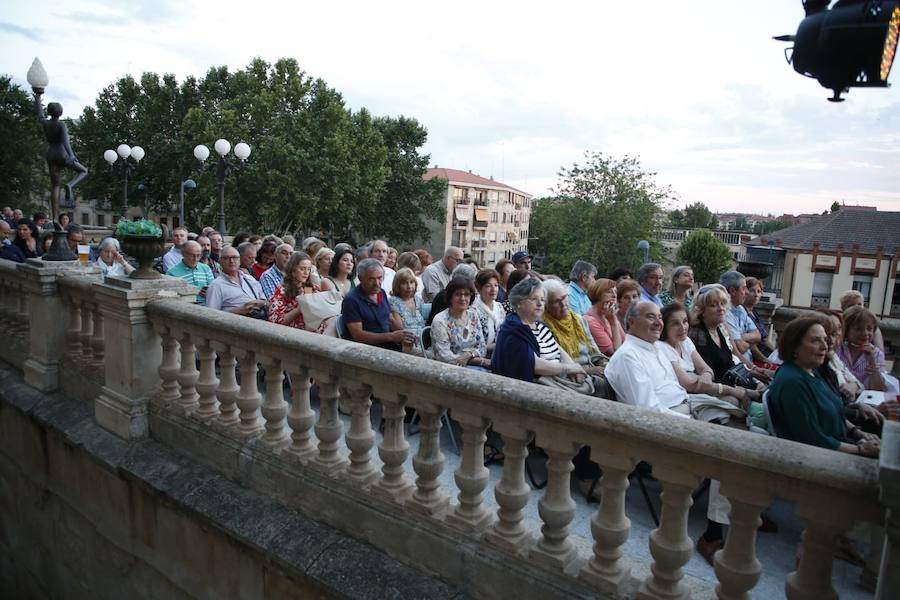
<point x="698" y="90"/>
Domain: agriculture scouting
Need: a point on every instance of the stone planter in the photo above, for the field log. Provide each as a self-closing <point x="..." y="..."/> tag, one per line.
<point x="144" y="248"/>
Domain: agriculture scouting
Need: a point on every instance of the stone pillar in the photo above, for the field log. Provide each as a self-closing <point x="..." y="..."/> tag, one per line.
<point x="47" y="331"/>
<point x="472" y="476"/>
<point x="393" y="451"/>
<point x="512" y="492"/>
<point x="889" y="476"/>
<point x="556" y="507"/>
<point x="736" y="564"/>
<point x="133" y="350"/>
<point x="428" y="463"/>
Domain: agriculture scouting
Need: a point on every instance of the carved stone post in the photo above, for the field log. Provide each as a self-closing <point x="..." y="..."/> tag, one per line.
<point x="428" y="464"/>
<point x="512" y="492"/>
<point x="472" y="476"/>
<point x="736" y="565"/>
<point x="188" y="376"/>
<point x="248" y="398"/>
<point x="97" y="342"/>
<point x="301" y="418"/>
<point x="73" y="331"/>
<point x="610" y="525"/>
<point x="87" y="329"/>
<point x="274" y="409"/>
<point x="670" y="544"/>
<point x="556" y="507"/>
<point x="228" y="388"/>
<point x="133" y="351"/>
<point x="329" y="428"/>
<point x="393" y="451"/>
<point x="207" y="383"/>
<point x="361" y="437"/>
<point x="889" y="477"/>
<point x="168" y="365"/>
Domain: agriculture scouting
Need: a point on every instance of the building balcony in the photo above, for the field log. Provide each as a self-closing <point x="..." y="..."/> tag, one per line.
<point x="480" y="224"/>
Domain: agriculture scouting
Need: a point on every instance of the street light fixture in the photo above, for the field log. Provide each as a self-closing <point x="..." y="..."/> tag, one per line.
<point x="644" y="245"/>
<point x="124" y="152"/>
<point x="223" y="168"/>
<point x="188" y="184"/>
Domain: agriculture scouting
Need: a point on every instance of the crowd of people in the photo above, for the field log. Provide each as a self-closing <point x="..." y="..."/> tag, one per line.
<point x="702" y="354"/>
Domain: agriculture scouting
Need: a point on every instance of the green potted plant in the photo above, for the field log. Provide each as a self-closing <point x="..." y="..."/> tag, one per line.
<point x="144" y="241"/>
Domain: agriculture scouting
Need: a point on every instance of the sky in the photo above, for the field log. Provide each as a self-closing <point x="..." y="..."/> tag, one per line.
<point x="697" y="90"/>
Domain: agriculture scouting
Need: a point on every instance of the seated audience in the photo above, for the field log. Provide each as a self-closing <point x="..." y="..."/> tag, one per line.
<point x="322" y="260"/>
<point x="248" y="253"/>
<point x="569" y="329"/>
<point x="274" y="275"/>
<point x="504" y="268"/>
<point x="455" y="332"/>
<point x="650" y="278"/>
<point x="437" y="275"/>
<point x="8" y="250"/>
<point x="391" y="261"/>
<point x="235" y="291"/>
<point x="801" y="404"/>
<point x="409" y="260"/>
<point x="490" y="312"/>
<point x="27" y="236"/>
<point x="603" y="323"/>
<point x="239" y="238"/>
<point x="265" y="258"/>
<point x="191" y="270"/>
<point x="342" y="272"/>
<point x="580" y="279"/>
<point x="173" y="256"/>
<point x="513" y="280"/>
<point x="620" y="274"/>
<point x="110" y="259"/>
<point x="858" y="351"/>
<point x="74" y="236"/>
<point x="424" y="257"/>
<point x="379" y="251"/>
<point x="441" y="301"/>
<point x="406" y="306"/>
<point x="522" y="260"/>
<point x="627" y="292"/>
<point x="206" y="256"/>
<point x="760" y="351"/>
<point x="680" y="288"/>
<point x="742" y="329"/>
<point x="366" y="311"/>
<point x="852" y="298"/>
<point x="284" y="306"/>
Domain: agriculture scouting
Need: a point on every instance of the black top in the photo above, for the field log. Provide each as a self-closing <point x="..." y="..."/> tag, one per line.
<point x="719" y="358"/>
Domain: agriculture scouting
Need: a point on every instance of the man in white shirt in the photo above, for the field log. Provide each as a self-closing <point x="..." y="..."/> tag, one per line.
<point x="437" y="275"/>
<point x="638" y="371"/>
<point x="379" y="252"/>
<point x="173" y="256"/>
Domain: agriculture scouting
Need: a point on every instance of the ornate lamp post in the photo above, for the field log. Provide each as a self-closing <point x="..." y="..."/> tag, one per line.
<point x="187" y="184"/>
<point x="224" y="167"/>
<point x="124" y="151"/>
<point x="644" y="246"/>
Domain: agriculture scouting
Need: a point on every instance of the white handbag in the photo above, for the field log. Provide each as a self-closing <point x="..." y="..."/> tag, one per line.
<point x="318" y="307"/>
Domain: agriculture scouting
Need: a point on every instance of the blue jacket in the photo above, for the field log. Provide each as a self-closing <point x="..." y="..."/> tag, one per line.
<point x="515" y="350"/>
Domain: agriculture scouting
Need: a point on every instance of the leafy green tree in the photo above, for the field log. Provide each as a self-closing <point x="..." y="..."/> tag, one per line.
<point x="696" y="215"/>
<point x="707" y="255"/>
<point x="741" y="224"/>
<point x="835" y="206"/>
<point x="601" y="211"/>
<point x="25" y="178"/>
<point x="764" y="227"/>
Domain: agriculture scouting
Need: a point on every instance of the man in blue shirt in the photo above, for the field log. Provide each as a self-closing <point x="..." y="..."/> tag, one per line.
<point x="650" y="278"/>
<point x="191" y="270"/>
<point x="274" y="275"/>
<point x="580" y="279"/>
<point x="366" y="311"/>
<point x="741" y="327"/>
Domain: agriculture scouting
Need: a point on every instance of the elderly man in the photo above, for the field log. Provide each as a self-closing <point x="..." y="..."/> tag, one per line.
<point x="522" y="260"/>
<point x="206" y="256"/>
<point x="235" y="291"/>
<point x="274" y="275"/>
<point x="580" y="279"/>
<point x="380" y="252"/>
<point x="568" y="327"/>
<point x="247" y="252"/>
<point x="366" y="311"/>
<point x="437" y="275"/>
<point x="8" y="250"/>
<point x="215" y="246"/>
<point x="741" y="327"/>
<point x="650" y="278"/>
<point x="173" y="256"/>
<point x="74" y="236"/>
<point x="191" y="270"/>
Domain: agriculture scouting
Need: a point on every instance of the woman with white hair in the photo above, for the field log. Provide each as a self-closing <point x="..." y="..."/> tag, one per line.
<point x="110" y="259"/>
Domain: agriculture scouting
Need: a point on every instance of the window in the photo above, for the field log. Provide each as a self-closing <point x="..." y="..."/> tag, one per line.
<point x="116" y="219"/>
<point x="493" y="257"/>
<point x="493" y="236"/>
<point x="85" y="218"/>
<point x="821" y="293"/>
<point x="493" y="217"/>
<point x="504" y="217"/>
<point x="863" y="285"/>
<point x="101" y="220"/>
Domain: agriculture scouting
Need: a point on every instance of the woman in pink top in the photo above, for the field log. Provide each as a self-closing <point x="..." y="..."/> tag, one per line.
<point x="601" y="317"/>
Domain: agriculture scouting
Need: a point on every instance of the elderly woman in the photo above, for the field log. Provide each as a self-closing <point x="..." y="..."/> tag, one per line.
<point x="391" y="260"/>
<point x="284" y="307"/>
<point x="28" y="238"/>
<point x="802" y="405"/>
<point x="490" y="312"/>
<point x="760" y="351"/>
<point x="342" y="271"/>
<point x="455" y="332"/>
<point x="441" y="299"/>
<point x="409" y="260"/>
<point x="406" y="306"/>
<point x="110" y="259"/>
<point x="322" y="260"/>
<point x="710" y="335"/>
<point x="513" y="280"/>
<point x="601" y="318"/>
<point x="627" y="291"/>
<point x="858" y="351"/>
<point x="680" y="288"/>
<point x="568" y="328"/>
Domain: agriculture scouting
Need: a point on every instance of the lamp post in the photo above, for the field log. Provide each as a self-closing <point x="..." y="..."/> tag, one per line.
<point x="223" y="168"/>
<point x="644" y="245"/>
<point x="189" y="184"/>
<point x="124" y="151"/>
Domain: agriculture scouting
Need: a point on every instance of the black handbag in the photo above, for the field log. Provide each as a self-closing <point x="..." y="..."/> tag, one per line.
<point x="739" y="376"/>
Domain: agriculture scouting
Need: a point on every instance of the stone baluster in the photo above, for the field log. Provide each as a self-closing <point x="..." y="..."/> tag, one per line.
<point x="736" y="565"/>
<point x="360" y="438"/>
<point x="302" y="418"/>
<point x="248" y="397"/>
<point x="825" y="521"/>
<point x="393" y="451"/>
<point x="889" y="478"/>
<point x="329" y="428"/>
<point x="610" y="526"/>
<point x="188" y="375"/>
<point x="97" y="341"/>
<point x="512" y="492"/>
<point x="228" y="389"/>
<point x="73" y="331"/>
<point x="168" y="367"/>
<point x="274" y="408"/>
<point x="87" y="329"/>
<point x="428" y="464"/>
<point x="207" y="383"/>
<point x="670" y="545"/>
<point x="22" y="310"/>
<point x="556" y="507"/>
<point x="472" y="476"/>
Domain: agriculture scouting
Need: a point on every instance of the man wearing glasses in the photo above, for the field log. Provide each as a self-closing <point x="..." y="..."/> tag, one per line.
<point x="437" y="275"/>
<point x="235" y="291"/>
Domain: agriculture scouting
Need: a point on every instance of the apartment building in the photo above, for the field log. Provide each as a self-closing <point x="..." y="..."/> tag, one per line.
<point x="486" y="218"/>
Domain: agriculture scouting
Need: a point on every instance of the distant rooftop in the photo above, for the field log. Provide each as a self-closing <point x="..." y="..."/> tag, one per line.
<point x="848" y="226"/>
<point x="455" y="177"/>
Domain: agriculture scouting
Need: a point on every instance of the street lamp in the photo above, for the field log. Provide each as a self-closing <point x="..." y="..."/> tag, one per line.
<point x="189" y="184"/>
<point x="124" y="151"/>
<point x="645" y="246"/>
<point x="223" y="168"/>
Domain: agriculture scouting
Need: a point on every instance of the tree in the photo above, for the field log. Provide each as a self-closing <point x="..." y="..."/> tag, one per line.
<point x="696" y="215"/>
<point x="601" y="210"/>
<point x="25" y="181"/>
<point x="764" y="227"/>
<point x="741" y="224"/>
<point x="835" y="206"/>
<point x="707" y="255"/>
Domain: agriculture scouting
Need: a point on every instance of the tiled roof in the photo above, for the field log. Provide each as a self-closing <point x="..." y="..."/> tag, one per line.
<point x="464" y="177"/>
<point x="848" y="227"/>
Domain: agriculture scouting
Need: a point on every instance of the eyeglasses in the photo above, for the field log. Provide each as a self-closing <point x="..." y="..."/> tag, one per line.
<point x="230" y="258"/>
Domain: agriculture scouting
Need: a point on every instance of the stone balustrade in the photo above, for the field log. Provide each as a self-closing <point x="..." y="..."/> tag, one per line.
<point x="13" y="313"/>
<point x="187" y="376"/>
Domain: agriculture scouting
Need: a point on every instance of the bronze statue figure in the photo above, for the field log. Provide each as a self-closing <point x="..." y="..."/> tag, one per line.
<point x="59" y="153"/>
